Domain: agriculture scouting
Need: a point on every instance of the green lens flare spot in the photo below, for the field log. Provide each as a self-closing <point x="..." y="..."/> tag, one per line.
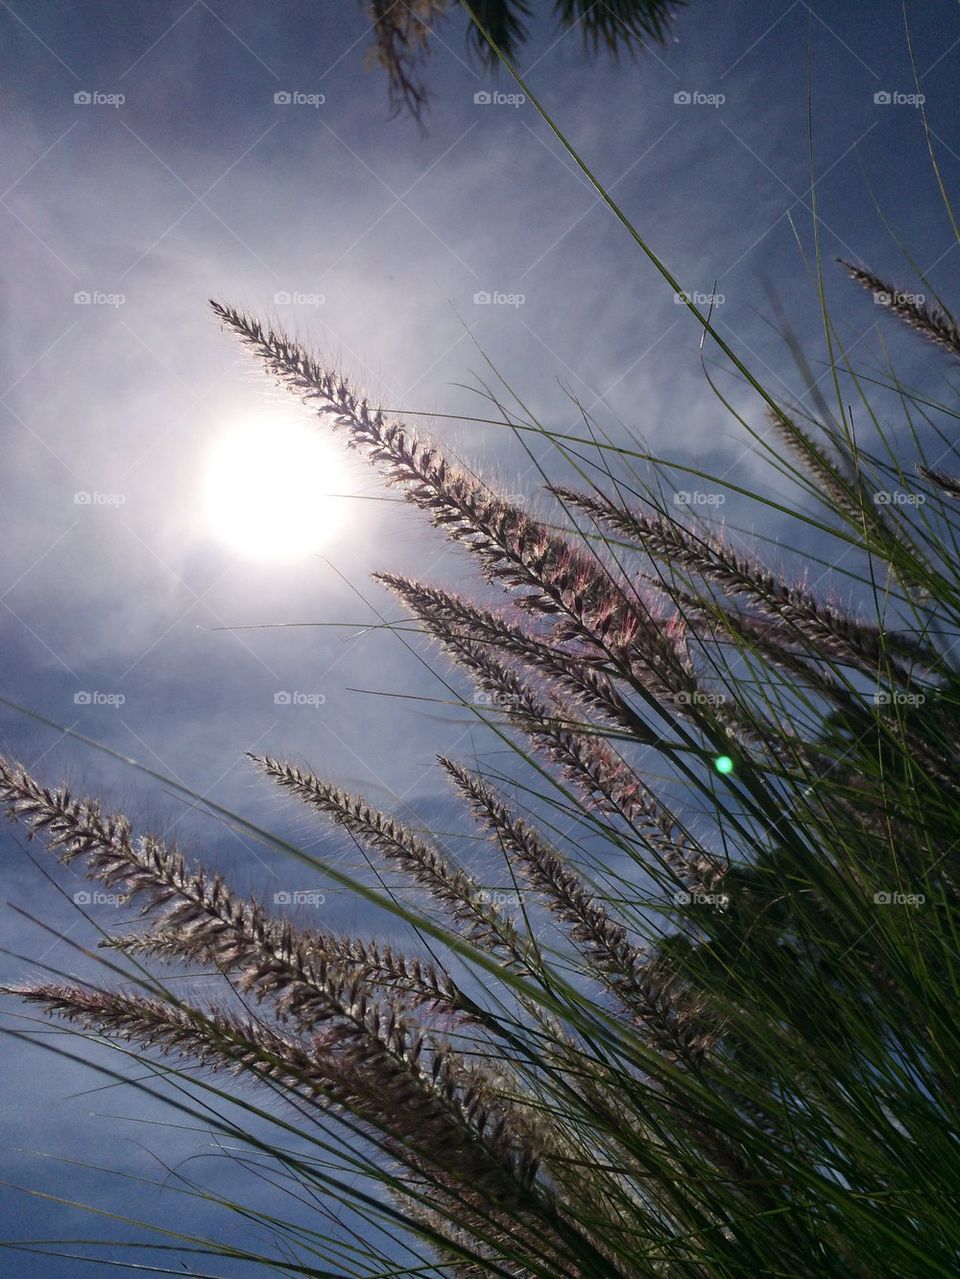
<point x="723" y="764"/>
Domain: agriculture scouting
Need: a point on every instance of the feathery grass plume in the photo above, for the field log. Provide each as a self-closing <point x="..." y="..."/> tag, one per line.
<point x="949" y="484"/>
<point x="454" y="1242"/>
<point x="817" y="626"/>
<point x="473" y="637"/>
<point x="776" y="644"/>
<point x="458" y="624"/>
<point x="841" y="486"/>
<point x="463" y="630"/>
<point x="601" y="776"/>
<point x="374" y="1036"/>
<point x="837" y="479"/>
<point x="570" y="667"/>
<point x="363" y="1055"/>
<point x="931" y="322"/>
<point x="454" y="888"/>
<point x="481" y="1144"/>
<point x="212" y="1037"/>
<point x="613" y="959"/>
<point x="585" y="758"/>
<point x="271" y="959"/>
<point x="408" y="977"/>
<point x="516" y="551"/>
<point x="445" y="880"/>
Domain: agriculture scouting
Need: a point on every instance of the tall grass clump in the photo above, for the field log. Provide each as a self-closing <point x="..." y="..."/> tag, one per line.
<point x="714" y="1030"/>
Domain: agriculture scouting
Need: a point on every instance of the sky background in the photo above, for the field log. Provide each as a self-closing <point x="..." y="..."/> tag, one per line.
<point x="201" y="185"/>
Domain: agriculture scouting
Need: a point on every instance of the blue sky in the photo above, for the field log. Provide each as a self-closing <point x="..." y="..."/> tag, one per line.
<point x="200" y="184"/>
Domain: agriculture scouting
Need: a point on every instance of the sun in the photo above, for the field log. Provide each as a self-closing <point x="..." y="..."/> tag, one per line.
<point x="273" y="488"/>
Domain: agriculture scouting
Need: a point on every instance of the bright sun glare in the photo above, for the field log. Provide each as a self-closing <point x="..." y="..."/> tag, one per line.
<point x="272" y="486"/>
